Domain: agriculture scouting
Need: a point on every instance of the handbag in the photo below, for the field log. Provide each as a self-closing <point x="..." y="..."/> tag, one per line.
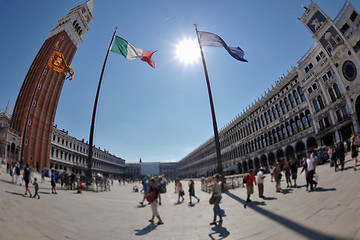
<point x="212" y="199"/>
<point x="182" y="193"/>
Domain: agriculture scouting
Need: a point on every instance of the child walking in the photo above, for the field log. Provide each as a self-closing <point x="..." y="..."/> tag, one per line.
<point x="36" y="186"/>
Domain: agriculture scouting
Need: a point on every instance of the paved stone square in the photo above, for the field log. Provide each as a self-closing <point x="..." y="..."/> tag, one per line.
<point x="331" y="212"/>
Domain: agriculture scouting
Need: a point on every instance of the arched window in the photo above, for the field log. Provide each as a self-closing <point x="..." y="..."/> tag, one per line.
<point x="303" y="120"/>
<point x="293" y="126"/>
<point x="270" y="115"/>
<point x="301" y="93"/>
<point x="278" y="110"/>
<point x="283" y="107"/>
<point x="287" y="103"/>
<point x="284" y="131"/>
<point x="275" y="136"/>
<point x="321" y="103"/>
<point x="259" y="122"/>
<point x="263" y="120"/>
<point x="298" y="123"/>
<point x="337" y="90"/>
<point x="279" y="133"/>
<point x="274" y="112"/>
<point x="292" y="102"/>
<point x="297" y="99"/>
<point x="289" y="130"/>
<point x="270" y="138"/>
<point x="332" y="95"/>
<point x="309" y="119"/>
<point x="316" y="105"/>
<point x="266" y="118"/>
<point x="266" y="140"/>
<point x="256" y="125"/>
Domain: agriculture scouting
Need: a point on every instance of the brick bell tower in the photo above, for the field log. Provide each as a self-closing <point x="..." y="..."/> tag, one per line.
<point x="36" y="104"/>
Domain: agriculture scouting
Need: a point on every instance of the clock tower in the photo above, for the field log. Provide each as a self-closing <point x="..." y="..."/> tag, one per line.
<point x="36" y="104"/>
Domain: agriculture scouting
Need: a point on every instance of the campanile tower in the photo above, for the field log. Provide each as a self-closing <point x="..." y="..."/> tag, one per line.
<point x="36" y="104"/>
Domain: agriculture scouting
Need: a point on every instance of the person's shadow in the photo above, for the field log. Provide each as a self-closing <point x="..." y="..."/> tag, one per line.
<point x="219" y="229"/>
<point x="145" y="230"/>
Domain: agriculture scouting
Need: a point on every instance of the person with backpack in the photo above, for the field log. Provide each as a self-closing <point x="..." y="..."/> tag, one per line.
<point x="250" y="179"/>
<point x="17" y="174"/>
<point x="154" y="197"/>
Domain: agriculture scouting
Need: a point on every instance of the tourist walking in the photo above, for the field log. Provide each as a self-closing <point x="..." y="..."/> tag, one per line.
<point x="260" y="181"/>
<point x="340" y="154"/>
<point x="153" y="197"/>
<point x="179" y="190"/>
<point x="53" y="182"/>
<point x="311" y="166"/>
<point x="287" y="174"/>
<point x="145" y="190"/>
<point x="216" y="188"/>
<point x="27" y="179"/>
<point x="36" y="186"/>
<point x="277" y="176"/>
<point x="354" y="152"/>
<point x="17" y="173"/>
<point x="293" y="170"/>
<point x="250" y="179"/>
<point x="192" y="191"/>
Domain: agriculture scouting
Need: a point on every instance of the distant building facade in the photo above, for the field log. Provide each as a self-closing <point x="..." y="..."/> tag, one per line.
<point x="317" y="103"/>
<point x="67" y="152"/>
<point x="138" y="170"/>
<point x="70" y="154"/>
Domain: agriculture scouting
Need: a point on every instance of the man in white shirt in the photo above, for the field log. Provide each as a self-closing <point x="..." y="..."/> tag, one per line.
<point x="311" y="166"/>
<point x="260" y="180"/>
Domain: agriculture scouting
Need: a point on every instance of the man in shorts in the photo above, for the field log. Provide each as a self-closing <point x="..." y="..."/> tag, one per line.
<point x="250" y="179"/>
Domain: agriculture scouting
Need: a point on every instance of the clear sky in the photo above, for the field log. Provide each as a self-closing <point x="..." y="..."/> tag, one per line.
<point x="158" y="114"/>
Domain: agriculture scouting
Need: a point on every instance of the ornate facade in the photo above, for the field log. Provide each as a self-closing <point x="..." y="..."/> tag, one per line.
<point x="317" y="103"/>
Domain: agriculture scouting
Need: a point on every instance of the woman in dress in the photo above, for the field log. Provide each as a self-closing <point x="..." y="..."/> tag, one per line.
<point x="179" y="190"/>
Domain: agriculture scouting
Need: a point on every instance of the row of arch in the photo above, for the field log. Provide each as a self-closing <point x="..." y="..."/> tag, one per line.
<point x="279" y="109"/>
<point x="281" y="132"/>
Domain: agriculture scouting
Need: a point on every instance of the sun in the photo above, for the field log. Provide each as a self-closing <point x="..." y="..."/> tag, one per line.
<point x="187" y="51"/>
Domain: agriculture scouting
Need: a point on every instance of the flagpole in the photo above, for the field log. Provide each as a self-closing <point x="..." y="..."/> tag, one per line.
<point x="216" y="134"/>
<point x="90" y="162"/>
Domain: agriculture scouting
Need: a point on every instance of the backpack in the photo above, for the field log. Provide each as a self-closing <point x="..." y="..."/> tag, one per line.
<point x="17" y="170"/>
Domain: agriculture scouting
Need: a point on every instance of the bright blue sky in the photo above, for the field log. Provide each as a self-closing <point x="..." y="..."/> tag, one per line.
<point x="158" y="114"/>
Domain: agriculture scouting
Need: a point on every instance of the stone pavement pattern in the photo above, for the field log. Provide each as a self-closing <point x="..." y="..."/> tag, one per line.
<point x="331" y="212"/>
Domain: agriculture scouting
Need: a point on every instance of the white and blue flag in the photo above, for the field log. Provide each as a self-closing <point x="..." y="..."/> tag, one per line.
<point x="210" y="39"/>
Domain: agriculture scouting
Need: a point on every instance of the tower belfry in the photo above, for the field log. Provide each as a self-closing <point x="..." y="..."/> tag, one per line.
<point x="36" y="104"/>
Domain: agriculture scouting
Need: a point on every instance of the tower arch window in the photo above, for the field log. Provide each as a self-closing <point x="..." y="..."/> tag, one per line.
<point x="283" y="107"/>
<point x="274" y="112"/>
<point x="270" y="115"/>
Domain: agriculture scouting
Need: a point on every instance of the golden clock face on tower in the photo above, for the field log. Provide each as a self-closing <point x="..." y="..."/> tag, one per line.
<point x="349" y="70"/>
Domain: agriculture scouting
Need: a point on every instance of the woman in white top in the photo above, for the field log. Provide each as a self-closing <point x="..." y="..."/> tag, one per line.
<point x="216" y="187"/>
<point x="179" y="190"/>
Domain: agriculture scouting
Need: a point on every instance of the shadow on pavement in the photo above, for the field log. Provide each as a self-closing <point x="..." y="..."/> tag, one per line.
<point x="269" y="198"/>
<point x="219" y="229"/>
<point x="320" y="189"/>
<point x="286" y="191"/>
<point x="16" y="193"/>
<point x="44" y="193"/>
<point x="146" y="229"/>
<point x="292" y="225"/>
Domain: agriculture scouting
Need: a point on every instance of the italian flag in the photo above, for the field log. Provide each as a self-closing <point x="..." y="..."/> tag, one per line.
<point x="123" y="47"/>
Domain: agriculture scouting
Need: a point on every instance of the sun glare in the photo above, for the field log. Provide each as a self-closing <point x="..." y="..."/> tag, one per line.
<point x="187" y="51"/>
